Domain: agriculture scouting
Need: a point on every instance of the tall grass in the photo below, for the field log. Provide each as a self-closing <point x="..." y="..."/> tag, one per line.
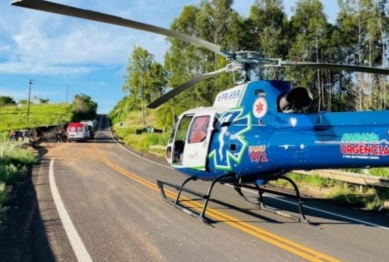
<point x="370" y="198"/>
<point x="131" y="123"/>
<point x="13" y="162"/>
<point x="144" y="141"/>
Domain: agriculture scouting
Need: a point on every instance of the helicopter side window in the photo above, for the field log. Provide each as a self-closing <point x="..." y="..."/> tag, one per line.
<point x="198" y="130"/>
<point x="259" y="92"/>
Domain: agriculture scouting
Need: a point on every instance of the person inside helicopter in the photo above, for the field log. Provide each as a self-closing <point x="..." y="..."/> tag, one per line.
<point x="295" y="100"/>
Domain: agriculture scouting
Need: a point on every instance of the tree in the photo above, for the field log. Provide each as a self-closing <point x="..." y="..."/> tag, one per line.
<point x="363" y="23"/>
<point x="84" y="107"/>
<point x="145" y="79"/>
<point x="214" y="21"/>
<point x="7" y="101"/>
<point x="309" y="33"/>
<point x="270" y="25"/>
<point x="122" y="108"/>
<point x="43" y="101"/>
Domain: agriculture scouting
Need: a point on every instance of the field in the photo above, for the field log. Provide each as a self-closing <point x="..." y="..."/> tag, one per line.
<point x="14" y="159"/>
<point x="14" y="117"/>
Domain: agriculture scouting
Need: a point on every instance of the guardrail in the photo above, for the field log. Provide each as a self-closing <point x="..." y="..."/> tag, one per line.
<point x="349" y="177"/>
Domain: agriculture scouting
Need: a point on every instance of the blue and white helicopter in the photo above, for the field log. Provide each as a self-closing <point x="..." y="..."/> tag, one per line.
<point x="252" y="133"/>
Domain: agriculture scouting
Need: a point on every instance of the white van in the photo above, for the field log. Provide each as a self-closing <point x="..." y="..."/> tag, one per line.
<point x="77" y="132"/>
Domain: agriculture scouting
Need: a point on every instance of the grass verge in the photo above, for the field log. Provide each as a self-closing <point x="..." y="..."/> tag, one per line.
<point x="13" y="162"/>
<point x="361" y="196"/>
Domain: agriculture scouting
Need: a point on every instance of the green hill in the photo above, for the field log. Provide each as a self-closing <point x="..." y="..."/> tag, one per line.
<point x="14" y="117"/>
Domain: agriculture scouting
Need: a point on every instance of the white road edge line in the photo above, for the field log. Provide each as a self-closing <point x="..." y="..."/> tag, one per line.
<point x="305" y="206"/>
<point x="75" y="240"/>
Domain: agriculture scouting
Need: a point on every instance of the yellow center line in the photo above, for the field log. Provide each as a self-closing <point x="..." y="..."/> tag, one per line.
<point x="286" y="244"/>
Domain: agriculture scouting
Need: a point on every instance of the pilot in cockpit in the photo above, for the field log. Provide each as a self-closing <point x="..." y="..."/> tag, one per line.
<point x="295" y="100"/>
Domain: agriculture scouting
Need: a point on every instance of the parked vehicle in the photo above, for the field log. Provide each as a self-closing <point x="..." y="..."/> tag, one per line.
<point x="95" y="122"/>
<point x="77" y="132"/>
<point x="90" y="128"/>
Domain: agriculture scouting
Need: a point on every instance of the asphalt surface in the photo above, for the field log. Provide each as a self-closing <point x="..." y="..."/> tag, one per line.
<point x="111" y="198"/>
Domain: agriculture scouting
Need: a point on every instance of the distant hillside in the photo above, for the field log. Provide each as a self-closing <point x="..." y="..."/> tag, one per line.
<point x="14" y="117"/>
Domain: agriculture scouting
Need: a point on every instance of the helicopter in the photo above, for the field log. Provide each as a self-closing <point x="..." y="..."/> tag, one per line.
<point x="255" y="132"/>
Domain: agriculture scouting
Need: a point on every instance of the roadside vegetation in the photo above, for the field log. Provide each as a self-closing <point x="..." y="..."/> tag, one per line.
<point x="371" y="198"/>
<point x="125" y="132"/>
<point x="13" y="162"/>
<point x="16" y="116"/>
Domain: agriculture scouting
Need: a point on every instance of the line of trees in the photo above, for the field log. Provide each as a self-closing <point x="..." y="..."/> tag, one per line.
<point x="9" y="101"/>
<point x="359" y="36"/>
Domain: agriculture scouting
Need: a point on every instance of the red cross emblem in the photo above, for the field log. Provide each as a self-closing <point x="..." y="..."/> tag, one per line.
<point x="259" y="107"/>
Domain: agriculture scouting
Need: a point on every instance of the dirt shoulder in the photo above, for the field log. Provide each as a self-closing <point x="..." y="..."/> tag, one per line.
<point x="21" y="231"/>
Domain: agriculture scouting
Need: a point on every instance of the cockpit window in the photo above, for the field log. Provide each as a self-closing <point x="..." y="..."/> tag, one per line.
<point x="198" y="130"/>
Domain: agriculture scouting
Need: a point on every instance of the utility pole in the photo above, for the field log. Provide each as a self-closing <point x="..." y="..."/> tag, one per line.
<point x="31" y="81"/>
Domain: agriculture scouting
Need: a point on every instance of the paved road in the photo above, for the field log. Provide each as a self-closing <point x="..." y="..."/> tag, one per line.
<point x="112" y="211"/>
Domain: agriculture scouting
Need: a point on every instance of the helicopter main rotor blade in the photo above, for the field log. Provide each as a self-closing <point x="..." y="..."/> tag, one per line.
<point x="169" y="95"/>
<point x="110" y="19"/>
<point x="362" y="69"/>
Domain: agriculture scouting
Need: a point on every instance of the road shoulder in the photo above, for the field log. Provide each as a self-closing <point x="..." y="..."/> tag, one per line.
<point x="32" y="230"/>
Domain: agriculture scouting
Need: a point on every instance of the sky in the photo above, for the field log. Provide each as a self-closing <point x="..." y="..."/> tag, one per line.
<point x="66" y="56"/>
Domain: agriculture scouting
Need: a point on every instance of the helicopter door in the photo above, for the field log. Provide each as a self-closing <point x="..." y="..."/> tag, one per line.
<point x="198" y="140"/>
<point x="176" y="144"/>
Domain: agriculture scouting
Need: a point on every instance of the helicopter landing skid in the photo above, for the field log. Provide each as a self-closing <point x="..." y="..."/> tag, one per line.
<point x="181" y="188"/>
<point x="261" y="204"/>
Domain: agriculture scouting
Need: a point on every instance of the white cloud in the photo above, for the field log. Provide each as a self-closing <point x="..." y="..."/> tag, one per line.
<point x="86" y="43"/>
<point x="24" y="68"/>
<point x="4" y="47"/>
<point x="48" y="43"/>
